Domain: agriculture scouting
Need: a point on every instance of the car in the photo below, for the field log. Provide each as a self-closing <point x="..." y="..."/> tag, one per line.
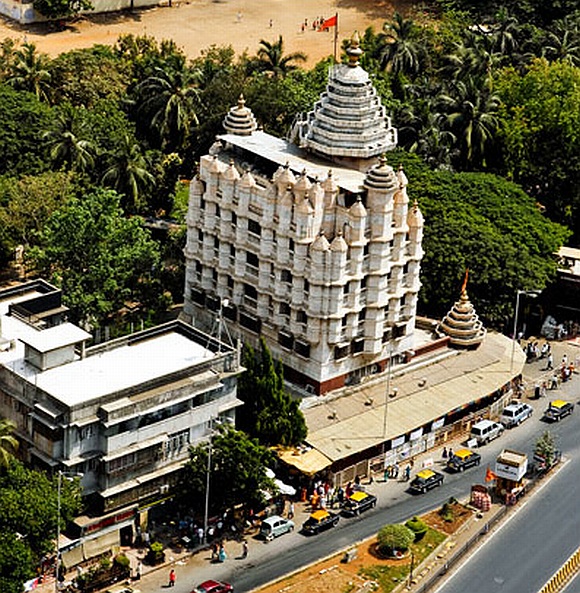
<point x="274" y="526"/>
<point x="358" y="502"/>
<point x="515" y="413"/>
<point x="213" y="587"/>
<point x="557" y="410"/>
<point x="485" y="431"/>
<point x="425" y="480"/>
<point x="319" y="521"/>
<point x="462" y="459"/>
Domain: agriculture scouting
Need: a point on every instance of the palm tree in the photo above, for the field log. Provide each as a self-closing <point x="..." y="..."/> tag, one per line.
<point x="469" y="112"/>
<point x="127" y="173"/>
<point x="8" y="443"/>
<point x="398" y="48"/>
<point x="65" y="142"/>
<point x="563" y="42"/>
<point x="169" y="98"/>
<point x="29" y="71"/>
<point x="271" y="58"/>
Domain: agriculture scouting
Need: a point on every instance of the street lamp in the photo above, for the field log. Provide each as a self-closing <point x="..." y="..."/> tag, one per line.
<point x="58" y="494"/>
<point x="531" y="293"/>
<point x="207" y="475"/>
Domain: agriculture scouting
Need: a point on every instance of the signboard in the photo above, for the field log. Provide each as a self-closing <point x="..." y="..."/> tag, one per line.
<point x="416" y="434"/>
<point x="437" y="423"/>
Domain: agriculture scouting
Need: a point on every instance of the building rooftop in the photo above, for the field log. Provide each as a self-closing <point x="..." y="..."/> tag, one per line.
<point x="364" y="417"/>
<point x="279" y="151"/>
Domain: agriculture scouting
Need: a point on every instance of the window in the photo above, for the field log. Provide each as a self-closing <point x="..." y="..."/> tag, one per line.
<point x="234" y="218"/>
<point x="200" y="236"/>
<point x="346" y="288"/>
<point x="254" y="227"/>
<point x="357" y="346"/>
<point x="291" y="245"/>
<point x="286" y="276"/>
<point x="218" y="212"/>
<point x="301" y="317"/>
<point x="230" y="282"/>
<point x="306" y="286"/>
<point x="87" y="432"/>
<point x="251" y="323"/>
<point x="121" y="463"/>
<point x="285" y="340"/>
<point x="216" y="243"/>
<point x="250" y="291"/>
<point x="176" y="442"/>
<point x="362" y="314"/>
<point x="252" y="259"/>
<point x="302" y="349"/>
<point x="232" y="251"/>
<point x="340" y="352"/>
<point x="344" y="321"/>
<point x="202" y="204"/>
<point x="363" y="283"/>
<point x="284" y="309"/>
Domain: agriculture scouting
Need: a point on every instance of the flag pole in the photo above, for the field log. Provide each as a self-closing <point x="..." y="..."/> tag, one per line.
<point x="335" y="36"/>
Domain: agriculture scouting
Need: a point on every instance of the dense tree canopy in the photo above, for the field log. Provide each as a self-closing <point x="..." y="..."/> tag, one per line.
<point x="97" y="256"/>
<point x="268" y="413"/>
<point x="237" y="473"/>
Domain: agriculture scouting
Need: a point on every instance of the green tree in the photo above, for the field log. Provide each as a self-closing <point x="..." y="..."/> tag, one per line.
<point x="58" y="9"/>
<point x="128" y="174"/>
<point x="545" y="447"/>
<point x="273" y="61"/>
<point x="399" y="48"/>
<point x="395" y="537"/>
<point x="8" y="442"/>
<point x="268" y="413"/>
<point x="237" y="473"/>
<point x="16" y="562"/>
<point x="169" y="98"/>
<point x="29" y="71"/>
<point x="98" y="257"/>
<point x="67" y="141"/>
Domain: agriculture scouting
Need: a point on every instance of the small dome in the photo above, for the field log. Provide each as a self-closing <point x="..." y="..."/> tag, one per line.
<point x="329" y="185"/>
<point x="320" y="243"/>
<point x="231" y="173"/>
<point x="303" y="184"/>
<point x="403" y="181"/>
<point x="357" y="209"/>
<point x="286" y="177"/>
<point x="381" y="176"/>
<point x="240" y="120"/>
<point x="400" y="198"/>
<point x="354" y="51"/>
<point x="287" y="198"/>
<point x="196" y="186"/>
<point x="415" y="217"/>
<point x="215" y="166"/>
<point x="339" y="244"/>
<point x="304" y="206"/>
<point x="247" y="180"/>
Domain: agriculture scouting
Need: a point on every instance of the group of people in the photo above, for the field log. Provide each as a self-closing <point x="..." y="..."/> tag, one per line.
<point x="536" y="352"/>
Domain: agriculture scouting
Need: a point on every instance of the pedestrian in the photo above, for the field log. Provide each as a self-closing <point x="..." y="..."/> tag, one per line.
<point x="554" y="382"/>
<point x="244" y="549"/>
<point x="396" y="470"/>
<point x="550" y="365"/>
<point x="214" y="551"/>
<point x="172" y="578"/>
<point x="291" y="510"/>
<point x="444" y="454"/>
<point x="222" y="553"/>
<point x="239" y="17"/>
<point x="537" y="390"/>
<point x="271" y="23"/>
<point x="407" y="472"/>
<point x="138" y="571"/>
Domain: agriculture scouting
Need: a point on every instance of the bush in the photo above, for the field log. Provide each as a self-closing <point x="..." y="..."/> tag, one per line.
<point x="418" y="527"/>
<point x="447" y="513"/>
<point x="155" y="555"/>
<point x="122" y="561"/>
<point x="395" y="537"/>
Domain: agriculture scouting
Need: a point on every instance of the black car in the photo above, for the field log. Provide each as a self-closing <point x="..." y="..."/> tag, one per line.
<point x="425" y="480"/>
<point x="462" y="459"/>
<point x="557" y="410"/>
<point x="320" y="520"/>
<point x="358" y="502"/>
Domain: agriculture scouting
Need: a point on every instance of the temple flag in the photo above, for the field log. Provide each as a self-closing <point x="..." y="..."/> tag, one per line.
<point x="331" y="22"/>
<point x="489" y="475"/>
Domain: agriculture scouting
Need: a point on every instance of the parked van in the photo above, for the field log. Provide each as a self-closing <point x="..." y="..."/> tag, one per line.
<point x="274" y="526"/>
<point x="515" y="414"/>
<point x="485" y="431"/>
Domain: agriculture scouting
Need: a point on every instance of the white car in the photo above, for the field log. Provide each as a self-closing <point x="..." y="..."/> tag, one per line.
<point x="515" y="413"/>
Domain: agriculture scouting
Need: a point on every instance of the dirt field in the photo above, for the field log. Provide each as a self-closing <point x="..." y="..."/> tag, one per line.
<point x="197" y="24"/>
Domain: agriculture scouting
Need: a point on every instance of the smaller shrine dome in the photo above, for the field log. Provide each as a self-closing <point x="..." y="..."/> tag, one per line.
<point x="240" y="120"/>
<point x="320" y="243"/>
<point x="231" y="173"/>
<point x="329" y="185"/>
<point x="381" y="176"/>
<point x="403" y="181"/>
<point x="462" y="323"/>
<point x="247" y="180"/>
<point x="339" y="244"/>
<point x="415" y="217"/>
<point x="358" y="209"/>
<point x="304" y="206"/>
<point x="303" y="184"/>
<point x="215" y="166"/>
<point x="285" y="177"/>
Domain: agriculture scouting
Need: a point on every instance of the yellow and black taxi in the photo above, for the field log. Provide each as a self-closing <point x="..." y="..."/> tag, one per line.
<point x="557" y="410"/>
<point x="425" y="480"/>
<point x="319" y="521"/>
<point x="463" y="459"/>
<point x="358" y="502"/>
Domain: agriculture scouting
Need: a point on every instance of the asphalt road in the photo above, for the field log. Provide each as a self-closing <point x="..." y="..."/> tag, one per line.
<point x="535" y="541"/>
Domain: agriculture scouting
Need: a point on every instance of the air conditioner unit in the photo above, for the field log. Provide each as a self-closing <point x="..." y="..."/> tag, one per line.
<point x="164" y="489"/>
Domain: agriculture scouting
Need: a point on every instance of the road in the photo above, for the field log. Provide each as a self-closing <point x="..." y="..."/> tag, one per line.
<point x="519" y="555"/>
<point x="532" y="545"/>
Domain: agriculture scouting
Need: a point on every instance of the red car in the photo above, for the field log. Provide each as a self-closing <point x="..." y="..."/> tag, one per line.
<point x="213" y="587"/>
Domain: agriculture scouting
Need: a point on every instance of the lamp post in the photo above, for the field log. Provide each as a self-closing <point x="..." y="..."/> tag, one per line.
<point x="207" y="474"/>
<point x="58" y="504"/>
<point x="531" y="293"/>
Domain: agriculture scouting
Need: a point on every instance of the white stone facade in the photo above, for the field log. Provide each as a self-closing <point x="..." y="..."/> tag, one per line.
<point x="319" y="258"/>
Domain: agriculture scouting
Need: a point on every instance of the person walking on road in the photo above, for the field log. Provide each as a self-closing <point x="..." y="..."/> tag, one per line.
<point x="172" y="578"/>
<point x="244" y="549"/>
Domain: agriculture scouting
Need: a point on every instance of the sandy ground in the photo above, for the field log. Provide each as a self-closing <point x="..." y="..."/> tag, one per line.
<point x="197" y="24"/>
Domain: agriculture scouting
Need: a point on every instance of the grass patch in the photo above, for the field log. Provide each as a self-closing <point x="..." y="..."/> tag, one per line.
<point x="389" y="576"/>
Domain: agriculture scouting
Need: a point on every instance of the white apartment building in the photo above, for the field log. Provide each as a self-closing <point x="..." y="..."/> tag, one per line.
<point x="122" y="413"/>
<point x="311" y="244"/>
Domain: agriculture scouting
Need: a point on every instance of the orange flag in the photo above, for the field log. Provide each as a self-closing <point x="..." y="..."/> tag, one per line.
<point x="489" y="475"/>
<point x="331" y="22"/>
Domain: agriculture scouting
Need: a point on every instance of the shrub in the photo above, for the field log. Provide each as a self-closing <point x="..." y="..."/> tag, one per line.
<point x="394" y="537"/>
<point x="122" y="561"/>
<point x="447" y="513"/>
<point x="155" y="555"/>
<point x="418" y="527"/>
